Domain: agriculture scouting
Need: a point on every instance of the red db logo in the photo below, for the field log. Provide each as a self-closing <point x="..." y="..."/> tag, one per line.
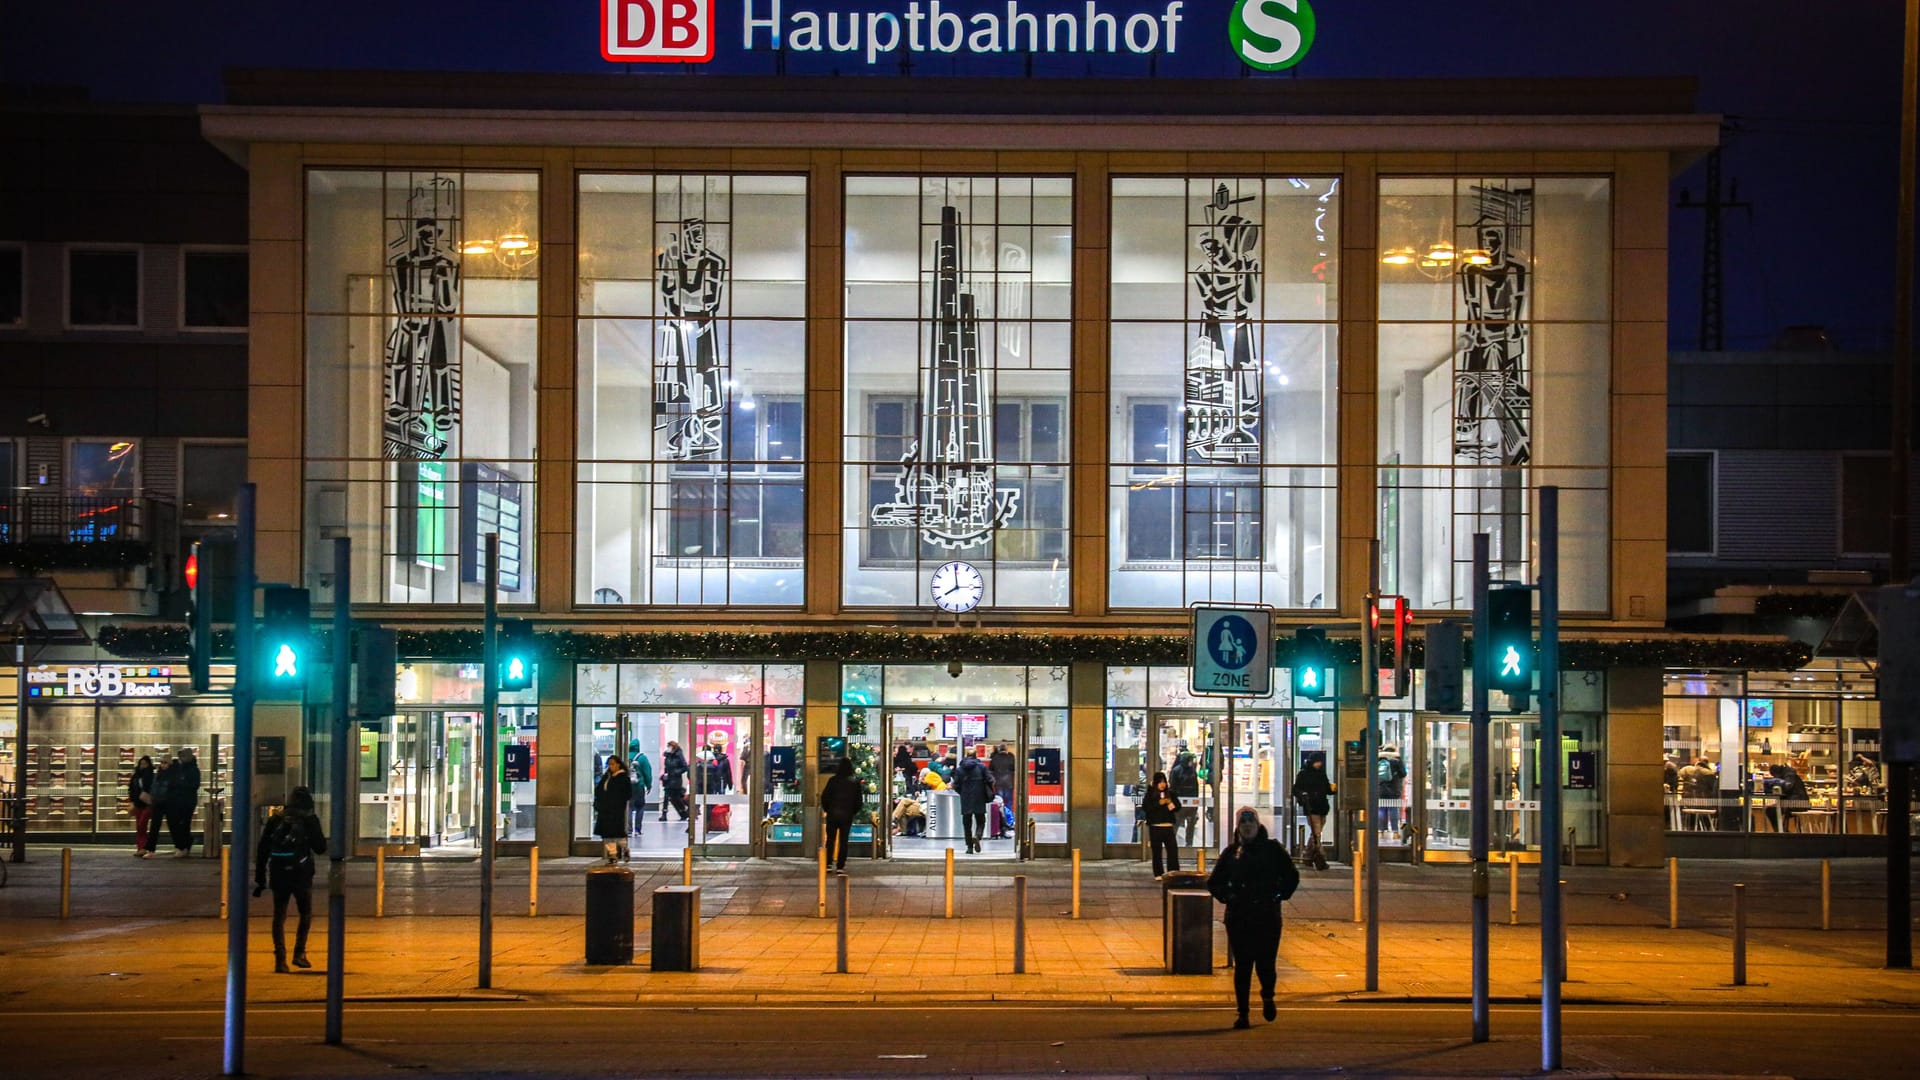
<point x="668" y="31"/>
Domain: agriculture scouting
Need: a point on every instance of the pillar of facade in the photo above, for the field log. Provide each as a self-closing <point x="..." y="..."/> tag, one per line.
<point x="822" y="717"/>
<point x="1635" y="789"/>
<point x="1087" y="759"/>
<point x="553" y="784"/>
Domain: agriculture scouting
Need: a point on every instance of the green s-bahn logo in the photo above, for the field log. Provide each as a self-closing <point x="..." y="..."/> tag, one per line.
<point x="1271" y="34"/>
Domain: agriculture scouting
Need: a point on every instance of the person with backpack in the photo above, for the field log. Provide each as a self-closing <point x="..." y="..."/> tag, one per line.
<point x="1184" y="777"/>
<point x="612" y="802"/>
<point x="284" y="862"/>
<point x="840" y="802"/>
<point x="1253" y="876"/>
<point x="975" y="785"/>
<point x="1390" y="780"/>
<point x="642" y="772"/>
<point x="140" y="796"/>
<point x="182" y="795"/>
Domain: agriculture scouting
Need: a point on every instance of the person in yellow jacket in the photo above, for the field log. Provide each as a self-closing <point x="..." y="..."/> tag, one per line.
<point x="932" y="780"/>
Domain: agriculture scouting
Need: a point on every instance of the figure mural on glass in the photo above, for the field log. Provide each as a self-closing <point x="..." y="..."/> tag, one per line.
<point x="1492" y="405"/>
<point x="1223" y="364"/>
<point x="948" y="489"/>
<point x="689" y="395"/>
<point x="422" y="376"/>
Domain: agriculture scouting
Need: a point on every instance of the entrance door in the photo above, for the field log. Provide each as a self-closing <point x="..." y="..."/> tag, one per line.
<point x="1214" y="775"/>
<point x="925" y="817"/>
<point x="393" y="782"/>
<point x="1441" y="773"/>
<point x="703" y="778"/>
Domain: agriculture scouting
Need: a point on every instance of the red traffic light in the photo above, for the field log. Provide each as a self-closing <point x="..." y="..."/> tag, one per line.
<point x="193" y="570"/>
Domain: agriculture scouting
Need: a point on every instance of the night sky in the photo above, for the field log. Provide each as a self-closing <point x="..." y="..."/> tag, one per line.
<point x="1813" y="87"/>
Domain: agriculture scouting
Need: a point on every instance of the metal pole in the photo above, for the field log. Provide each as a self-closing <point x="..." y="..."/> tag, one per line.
<point x="226" y="867"/>
<point x="380" y="882"/>
<point x="1899" y="865"/>
<point x="66" y="884"/>
<point x="1826" y="894"/>
<point x="1899" y="774"/>
<point x="1480" y="793"/>
<point x="1226" y="767"/>
<point x="533" y="882"/>
<point x="1549" y="767"/>
<point x="489" y="752"/>
<point x="234" y="1056"/>
<point x="1369" y="684"/>
<point x="1673" y="893"/>
<point x="1739" y="935"/>
<point x="1076" y="883"/>
<point x="949" y="882"/>
<point x="1020" y="924"/>
<point x="823" y="881"/>
<point x="338" y="765"/>
<point x="840" y="930"/>
<point x="20" y="753"/>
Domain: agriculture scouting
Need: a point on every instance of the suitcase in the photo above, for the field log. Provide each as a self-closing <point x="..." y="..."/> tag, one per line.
<point x="719" y="818"/>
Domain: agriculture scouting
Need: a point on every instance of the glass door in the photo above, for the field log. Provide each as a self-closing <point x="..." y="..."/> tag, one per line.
<point x="460" y="804"/>
<point x="777" y="790"/>
<point x="922" y="754"/>
<point x="393" y="785"/>
<point x="1442" y="775"/>
<point x="1185" y="747"/>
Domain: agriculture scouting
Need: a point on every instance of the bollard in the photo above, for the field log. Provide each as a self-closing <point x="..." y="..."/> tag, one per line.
<point x="226" y="867"/>
<point x="686" y="866"/>
<point x="949" y="883"/>
<point x="1359" y="868"/>
<point x="1020" y="924"/>
<point x="1513" y="888"/>
<point x="823" y="882"/>
<point x="1573" y="853"/>
<point x="533" y="882"/>
<point x="1201" y="853"/>
<point x="840" y="931"/>
<point x="1826" y="894"/>
<point x="1076" y="883"/>
<point x="1673" y="893"/>
<point x="1739" y="935"/>
<point x="66" y="885"/>
<point x="380" y="881"/>
<point x="1563" y="929"/>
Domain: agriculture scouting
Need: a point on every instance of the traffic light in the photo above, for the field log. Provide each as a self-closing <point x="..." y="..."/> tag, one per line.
<point x="1898" y="611"/>
<point x="281" y="651"/>
<point x="1312" y="665"/>
<point x="1510" y="642"/>
<point x="199" y="625"/>
<point x="1446" y="657"/>
<point x="516" y="654"/>
<point x="376" y="652"/>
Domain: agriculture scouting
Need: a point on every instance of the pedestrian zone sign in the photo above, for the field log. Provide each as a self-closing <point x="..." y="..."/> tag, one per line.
<point x="1231" y="652"/>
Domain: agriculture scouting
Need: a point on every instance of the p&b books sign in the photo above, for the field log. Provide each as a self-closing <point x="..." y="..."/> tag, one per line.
<point x="1232" y="652"/>
<point x="1267" y="35"/>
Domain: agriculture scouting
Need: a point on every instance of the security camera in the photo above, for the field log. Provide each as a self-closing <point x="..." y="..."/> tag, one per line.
<point x="41" y="419"/>
<point x="954" y="668"/>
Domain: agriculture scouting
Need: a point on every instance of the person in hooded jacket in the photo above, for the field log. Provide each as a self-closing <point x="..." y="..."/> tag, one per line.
<point x="1390" y="778"/>
<point x="904" y="766"/>
<point x="673" y="781"/>
<point x="140" y="795"/>
<point x="183" y="793"/>
<point x="1253" y="876"/>
<point x="975" y="784"/>
<point x="1001" y="765"/>
<point x="612" y="800"/>
<point x="641" y="770"/>
<point x="840" y="802"/>
<point x="1313" y="794"/>
<point x="1161" y="809"/>
<point x="284" y="861"/>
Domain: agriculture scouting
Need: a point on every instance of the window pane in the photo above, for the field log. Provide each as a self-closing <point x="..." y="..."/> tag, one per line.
<point x="215" y="289"/>
<point x="13" y="284"/>
<point x="103" y="288"/>
<point x="1690" y="503"/>
<point x="210" y="476"/>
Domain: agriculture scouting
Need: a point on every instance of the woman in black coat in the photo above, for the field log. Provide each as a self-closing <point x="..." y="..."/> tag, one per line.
<point x="140" y="795"/>
<point x="975" y="785"/>
<point x="1161" y="809"/>
<point x="1253" y="876"/>
<point x="1313" y="794"/>
<point x="610" y="800"/>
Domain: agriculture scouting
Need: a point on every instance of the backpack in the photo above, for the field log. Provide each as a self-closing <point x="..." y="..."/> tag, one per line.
<point x="1184" y="777"/>
<point x="285" y="852"/>
<point x="1383" y="770"/>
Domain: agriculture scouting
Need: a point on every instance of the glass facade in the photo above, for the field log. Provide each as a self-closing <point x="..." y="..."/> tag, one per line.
<point x="422" y="289"/>
<point x="958" y="305"/>
<point x="1223" y="383"/>
<point x="692" y="368"/>
<point x="1494" y="380"/>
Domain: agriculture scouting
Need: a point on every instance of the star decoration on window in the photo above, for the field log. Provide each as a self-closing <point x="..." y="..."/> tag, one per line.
<point x="1058" y="673"/>
<point x="651" y="695"/>
<point x="724" y="697"/>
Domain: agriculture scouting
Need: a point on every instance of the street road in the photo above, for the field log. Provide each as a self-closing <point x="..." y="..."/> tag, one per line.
<point x="528" y="1039"/>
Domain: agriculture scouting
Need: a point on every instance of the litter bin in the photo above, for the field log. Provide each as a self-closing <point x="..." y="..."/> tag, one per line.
<point x="1189" y="932"/>
<point x="610" y="915"/>
<point x="676" y="928"/>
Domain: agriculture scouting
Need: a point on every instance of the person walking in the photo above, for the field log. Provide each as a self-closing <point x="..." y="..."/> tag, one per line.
<point x="1253" y="876"/>
<point x="903" y="765"/>
<point x="1390" y="777"/>
<point x="1001" y="765"/>
<point x="284" y="862"/>
<point x="612" y="802"/>
<point x="673" y="781"/>
<point x="182" y="794"/>
<point x="1312" y="793"/>
<point x="1161" y="810"/>
<point x="840" y="802"/>
<point x="975" y="784"/>
<point x="140" y="797"/>
<point x="1185" y="777"/>
<point x="642" y="772"/>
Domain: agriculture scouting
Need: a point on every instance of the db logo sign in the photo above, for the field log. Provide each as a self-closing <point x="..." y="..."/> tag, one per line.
<point x="658" y="31"/>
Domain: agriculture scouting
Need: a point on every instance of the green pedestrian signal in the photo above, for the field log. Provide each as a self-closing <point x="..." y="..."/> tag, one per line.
<point x="1510" y="641"/>
<point x="285" y="636"/>
<point x="1312" y="665"/>
<point x="516" y="654"/>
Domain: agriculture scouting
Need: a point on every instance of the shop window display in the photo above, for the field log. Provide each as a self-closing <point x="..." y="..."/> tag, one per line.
<point x="692" y="360"/>
<point x="1224" y="384"/>
<point x="421" y="302"/>
<point x="957" y="351"/>
<point x="1494" y="375"/>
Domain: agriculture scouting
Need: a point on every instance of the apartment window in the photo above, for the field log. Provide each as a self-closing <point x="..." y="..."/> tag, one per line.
<point x="213" y="288"/>
<point x="103" y="487"/>
<point x="1690" y="504"/>
<point x="210" y="475"/>
<point x="1864" y="486"/>
<point x="103" y="287"/>
<point x="13" y="287"/>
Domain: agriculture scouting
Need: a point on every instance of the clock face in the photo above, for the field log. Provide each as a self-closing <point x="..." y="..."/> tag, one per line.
<point x="958" y="586"/>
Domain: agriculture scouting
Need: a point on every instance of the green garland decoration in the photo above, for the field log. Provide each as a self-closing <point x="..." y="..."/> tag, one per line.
<point x="35" y="556"/>
<point x="1800" y="605"/>
<point x="1016" y="647"/>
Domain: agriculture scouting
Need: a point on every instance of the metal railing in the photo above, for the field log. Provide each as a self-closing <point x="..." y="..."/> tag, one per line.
<point x="31" y="516"/>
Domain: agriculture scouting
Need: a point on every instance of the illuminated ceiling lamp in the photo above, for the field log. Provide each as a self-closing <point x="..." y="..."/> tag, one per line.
<point x="1398" y="256"/>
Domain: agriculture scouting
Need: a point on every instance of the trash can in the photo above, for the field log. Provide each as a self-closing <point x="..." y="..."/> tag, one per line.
<point x="610" y="915"/>
<point x="676" y="928"/>
<point x="1189" y="932"/>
